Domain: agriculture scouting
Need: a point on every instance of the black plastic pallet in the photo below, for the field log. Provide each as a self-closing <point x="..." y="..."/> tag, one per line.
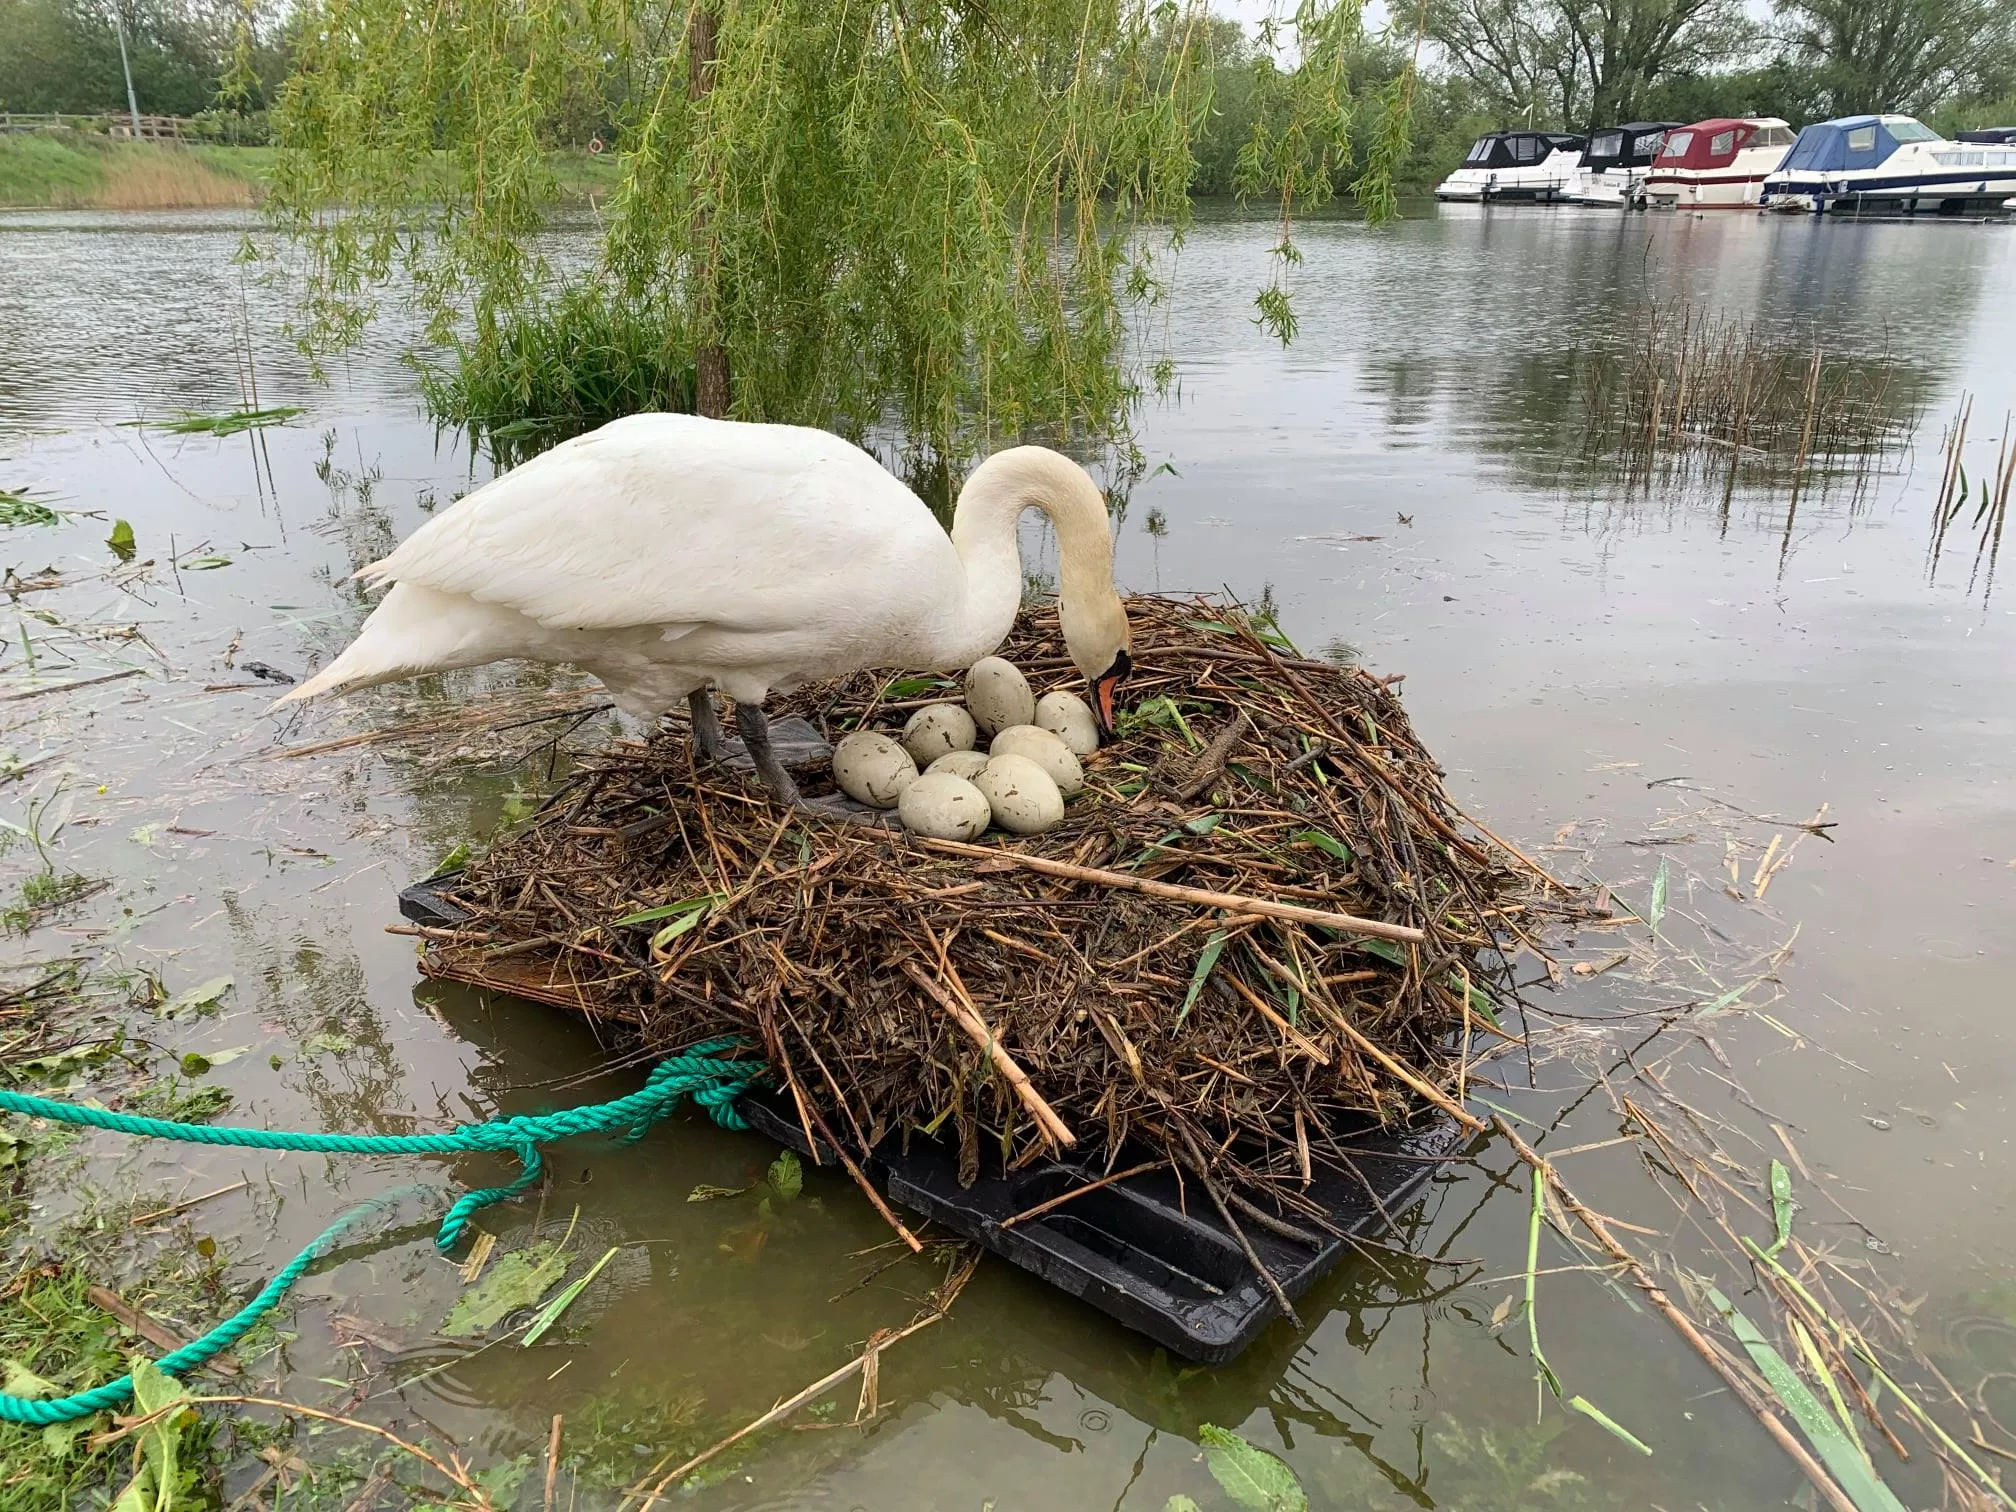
<point x="1139" y="1250"/>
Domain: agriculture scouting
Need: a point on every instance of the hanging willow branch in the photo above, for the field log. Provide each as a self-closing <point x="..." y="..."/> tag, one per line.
<point x="937" y="213"/>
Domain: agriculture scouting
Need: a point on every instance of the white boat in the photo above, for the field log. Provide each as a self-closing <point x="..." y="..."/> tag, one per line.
<point x="1516" y="165"/>
<point x="1717" y="164"/>
<point x="1890" y="165"/>
<point x="1617" y="161"/>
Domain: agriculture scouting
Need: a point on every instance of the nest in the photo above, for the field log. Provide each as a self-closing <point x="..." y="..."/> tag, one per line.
<point x="1166" y="972"/>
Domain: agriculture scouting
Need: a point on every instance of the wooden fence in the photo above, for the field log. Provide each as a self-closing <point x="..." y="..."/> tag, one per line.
<point x="153" y="128"/>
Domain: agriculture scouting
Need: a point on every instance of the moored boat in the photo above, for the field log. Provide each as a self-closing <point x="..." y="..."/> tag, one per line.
<point x="1890" y="165"/>
<point x="1516" y="165"/>
<point x="1717" y="164"/>
<point x="1617" y="161"/>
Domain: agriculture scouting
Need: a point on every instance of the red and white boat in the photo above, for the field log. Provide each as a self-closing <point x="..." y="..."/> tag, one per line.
<point x="1718" y="164"/>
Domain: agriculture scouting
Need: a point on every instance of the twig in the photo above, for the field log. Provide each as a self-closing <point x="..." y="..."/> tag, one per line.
<point x="818" y="1388"/>
<point x="1832" y="1493"/>
<point x="1230" y="902"/>
<point x="82" y="682"/>
<point x="1077" y="1192"/>
<point x="183" y="1207"/>
<point x="1045" y="1116"/>
<point x="153" y="1330"/>
<point x="553" y="1462"/>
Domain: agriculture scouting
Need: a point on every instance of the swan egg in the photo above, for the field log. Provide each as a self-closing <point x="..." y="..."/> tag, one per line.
<point x="1044" y="748"/>
<point x="872" y="769"/>
<point x="1069" y="718"/>
<point x="998" y="695"/>
<point x="966" y="764"/>
<point x="937" y="730"/>
<point x="1023" y="798"/>
<point x="944" y="807"/>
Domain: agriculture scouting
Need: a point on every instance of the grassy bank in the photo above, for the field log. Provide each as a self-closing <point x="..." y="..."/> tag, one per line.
<point x="76" y="171"/>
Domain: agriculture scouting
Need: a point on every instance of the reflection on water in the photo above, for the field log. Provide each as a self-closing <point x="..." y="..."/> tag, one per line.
<point x="1409" y="479"/>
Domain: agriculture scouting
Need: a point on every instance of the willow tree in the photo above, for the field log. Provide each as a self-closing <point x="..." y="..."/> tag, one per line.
<point x="938" y="215"/>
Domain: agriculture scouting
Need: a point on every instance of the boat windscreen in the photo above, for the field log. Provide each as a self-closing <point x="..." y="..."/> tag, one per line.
<point x="1676" y="146"/>
<point x="1480" y="150"/>
<point x="1645" y="146"/>
<point x="1606" y="144"/>
<point x="1908" y="130"/>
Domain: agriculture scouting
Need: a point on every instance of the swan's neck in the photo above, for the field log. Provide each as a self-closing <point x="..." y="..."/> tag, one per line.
<point x="984" y="533"/>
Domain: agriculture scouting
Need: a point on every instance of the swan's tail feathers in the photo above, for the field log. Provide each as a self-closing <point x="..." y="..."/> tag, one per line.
<point x="413" y="630"/>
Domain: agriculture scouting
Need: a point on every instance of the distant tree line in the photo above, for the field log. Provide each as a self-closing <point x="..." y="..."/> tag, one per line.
<point x="1572" y="64"/>
<point x="188" y="56"/>
<point x="1554" y="64"/>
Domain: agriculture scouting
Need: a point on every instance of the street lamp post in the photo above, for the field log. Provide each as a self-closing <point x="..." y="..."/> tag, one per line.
<point x="132" y="100"/>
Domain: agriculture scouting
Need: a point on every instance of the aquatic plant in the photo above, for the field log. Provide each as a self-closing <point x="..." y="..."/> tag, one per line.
<point x="937" y="216"/>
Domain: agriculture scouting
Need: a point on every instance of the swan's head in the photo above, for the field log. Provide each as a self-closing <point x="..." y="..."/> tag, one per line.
<point x="1097" y="639"/>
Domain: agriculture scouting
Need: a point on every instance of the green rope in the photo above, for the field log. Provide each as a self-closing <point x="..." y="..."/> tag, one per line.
<point x="702" y="1073"/>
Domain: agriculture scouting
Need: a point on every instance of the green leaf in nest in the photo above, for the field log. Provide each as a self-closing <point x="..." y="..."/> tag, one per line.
<point x="1251" y="1477"/>
<point x="1206" y="959"/>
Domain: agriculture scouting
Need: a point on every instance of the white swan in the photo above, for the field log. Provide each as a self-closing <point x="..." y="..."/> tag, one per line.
<point x="666" y="554"/>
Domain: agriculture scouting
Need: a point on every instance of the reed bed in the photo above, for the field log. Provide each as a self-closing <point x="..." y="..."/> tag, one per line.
<point x="1680" y="376"/>
<point x="1261" y="927"/>
<point x="1990" y="500"/>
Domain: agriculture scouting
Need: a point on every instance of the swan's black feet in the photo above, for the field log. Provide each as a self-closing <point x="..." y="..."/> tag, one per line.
<point x="707" y="742"/>
<point x="840" y="806"/>
<point x="754" y="729"/>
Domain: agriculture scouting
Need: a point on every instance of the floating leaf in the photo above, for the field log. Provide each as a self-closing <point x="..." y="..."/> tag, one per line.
<point x="1658" y="909"/>
<point x="1591" y="1411"/>
<point x="550" y="1313"/>
<point x="328" y="1042"/>
<point x="787" y="1176"/>
<point x="1206" y="959"/>
<point x="708" y="1192"/>
<point x="207" y="563"/>
<point x="1251" y="1477"/>
<point x="516" y="1281"/>
<point x="121" y="540"/>
<point x="16" y="508"/>
<point x="1180" y="1502"/>
<point x="203" y="995"/>
<point x="1836" y="1450"/>
<point x="1781" y="1206"/>
<point x="196" y="1062"/>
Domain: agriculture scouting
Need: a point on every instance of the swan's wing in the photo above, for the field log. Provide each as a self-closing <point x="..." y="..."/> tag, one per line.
<point x="669" y="520"/>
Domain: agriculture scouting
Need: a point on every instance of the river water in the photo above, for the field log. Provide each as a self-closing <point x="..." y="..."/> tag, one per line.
<point x="1399" y="482"/>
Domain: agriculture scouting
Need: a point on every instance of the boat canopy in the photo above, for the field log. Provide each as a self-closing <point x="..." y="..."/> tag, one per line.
<point x="1714" y="143"/>
<point x="1993" y="136"/>
<point x="1850" y="142"/>
<point x="1516" y="149"/>
<point x="1629" y="146"/>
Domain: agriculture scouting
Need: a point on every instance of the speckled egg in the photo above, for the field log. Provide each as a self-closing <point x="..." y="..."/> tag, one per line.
<point x="1069" y="718"/>
<point x="1045" y="749"/>
<point x="1023" y="798"/>
<point x="871" y="768"/>
<point x="944" y="807"/>
<point x="997" y="695"/>
<point x="937" y="730"/>
<point x="966" y="764"/>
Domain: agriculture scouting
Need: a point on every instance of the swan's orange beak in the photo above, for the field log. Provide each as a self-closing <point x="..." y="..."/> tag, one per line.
<point x="1104" y="690"/>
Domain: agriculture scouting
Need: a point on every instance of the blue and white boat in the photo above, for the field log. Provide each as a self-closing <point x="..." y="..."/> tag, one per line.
<point x="1890" y="165"/>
